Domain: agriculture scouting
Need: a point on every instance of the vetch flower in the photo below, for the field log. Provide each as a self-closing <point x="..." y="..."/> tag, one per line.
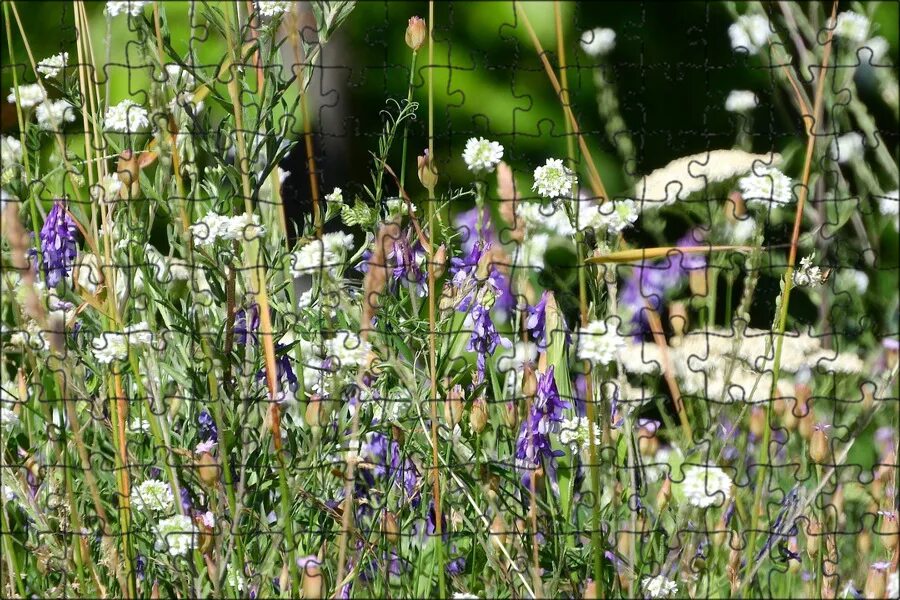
<point x="598" y="41"/>
<point x="599" y="343"/>
<point x="152" y="495"/>
<point x="126" y="117"/>
<point x="852" y="26"/>
<point x="533" y="444"/>
<point x="705" y="486"/>
<point x="50" y="67"/>
<point x="847" y="148"/>
<point x="51" y="116"/>
<point x="741" y="101"/>
<point x="177" y="535"/>
<point x="58" y="246"/>
<point x="482" y="155"/>
<point x="553" y="179"/>
<point x="749" y="32"/>
<point x="766" y="186"/>
<point x="659" y="587"/>
<point x="30" y="95"/>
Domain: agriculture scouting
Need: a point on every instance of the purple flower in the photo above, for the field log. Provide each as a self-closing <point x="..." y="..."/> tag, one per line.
<point x="244" y="329"/>
<point x="407" y="258"/>
<point x="463" y="268"/>
<point x="283" y="369"/>
<point x="536" y="323"/>
<point x="186" y="504"/>
<point x="208" y="430"/>
<point x="485" y="338"/>
<point x="544" y="418"/>
<point x="404" y="474"/>
<point x="467" y="224"/>
<point x="58" y="246"/>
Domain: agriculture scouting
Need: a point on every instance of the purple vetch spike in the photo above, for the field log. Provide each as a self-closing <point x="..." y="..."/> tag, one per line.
<point x="58" y="247"/>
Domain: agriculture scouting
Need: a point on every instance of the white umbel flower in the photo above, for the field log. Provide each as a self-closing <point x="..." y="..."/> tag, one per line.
<point x="176" y="535"/>
<point x="152" y="495"/>
<point x="552" y="218"/>
<point x="241" y="227"/>
<point x="273" y="8"/>
<point x="8" y="420"/>
<point x="10" y="151"/>
<point x="553" y="179"/>
<point x="51" y="66"/>
<point x="108" y="190"/>
<point x="847" y="148"/>
<point x="706" y="486"/>
<point x="576" y="434"/>
<point x="482" y="155"/>
<point x="878" y="46"/>
<point x="51" y="116"/>
<point x="750" y="33"/>
<point x="335" y="197"/>
<point x="808" y="274"/>
<point x="139" y="334"/>
<point x="599" y="343"/>
<point x="852" y="26"/>
<point x="612" y="217"/>
<point x="659" y="587"/>
<point x="349" y="349"/>
<point x="889" y="206"/>
<point x="741" y="101"/>
<point x="133" y="8"/>
<point x="126" y="117"/>
<point x="598" y="41"/>
<point x="464" y="596"/>
<point x="327" y="253"/>
<point x="109" y="347"/>
<point x="30" y="95"/>
<point x="766" y="186"/>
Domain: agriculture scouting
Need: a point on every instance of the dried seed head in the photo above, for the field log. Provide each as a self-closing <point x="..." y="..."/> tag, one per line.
<point x="478" y="416"/>
<point x="440" y="261"/>
<point x="390" y="528"/>
<point x="416" y="33"/>
<point x="208" y="469"/>
<point x="453" y="405"/>
<point x="818" y="445"/>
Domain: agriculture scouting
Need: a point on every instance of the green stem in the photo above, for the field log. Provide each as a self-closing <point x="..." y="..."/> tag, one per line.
<point x="409" y="94"/>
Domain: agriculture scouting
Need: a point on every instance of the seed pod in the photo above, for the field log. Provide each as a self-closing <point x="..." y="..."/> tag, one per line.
<point x="390" y="527"/>
<point x="889" y="530"/>
<point x="678" y="318"/>
<point x="478" y="416"/>
<point x="313" y="582"/>
<point x="428" y="174"/>
<point x="453" y="406"/>
<point x="314" y="411"/>
<point x="664" y="495"/>
<point x="440" y="261"/>
<point x="876" y="582"/>
<point x="129" y="173"/>
<point x="813" y="538"/>
<point x="416" y="33"/>
<point x="818" y="446"/>
<point x="208" y="469"/>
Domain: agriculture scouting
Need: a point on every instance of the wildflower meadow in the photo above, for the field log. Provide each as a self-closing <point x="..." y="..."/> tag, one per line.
<point x="449" y="300"/>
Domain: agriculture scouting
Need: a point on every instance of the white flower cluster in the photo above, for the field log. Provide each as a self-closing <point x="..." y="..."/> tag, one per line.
<point x="10" y="159"/>
<point x="553" y="179"/>
<point x="551" y="218"/>
<point x="847" y="148"/>
<point x="482" y="155"/>
<point x="133" y="8"/>
<point x="852" y="26"/>
<point x="889" y="206"/>
<point x="214" y="227"/>
<point x="176" y="535"/>
<point x="741" y="101"/>
<point x="273" y="8"/>
<point x="808" y="274"/>
<point x="348" y="349"/>
<point x="51" y="66"/>
<point x="659" y="587"/>
<point x="750" y="33"/>
<point x="326" y="253"/>
<point x="612" y="217"/>
<point x="576" y="434"/>
<point x="51" y="116"/>
<point x="153" y="495"/>
<point x="8" y="420"/>
<point x="599" y="343"/>
<point x="598" y="41"/>
<point x="126" y="117"/>
<point x="335" y="197"/>
<point x="108" y="190"/>
<point x="30" y="95"/>
<point x="705" y="486"/>
<point x="766" y="186"/>
<point x="110" y="346"/>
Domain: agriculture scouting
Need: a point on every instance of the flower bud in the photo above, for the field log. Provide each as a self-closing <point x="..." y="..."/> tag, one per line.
<point x="453" y="405"/>
<point x="735" y="208"/>
<point x="416" y="33"/>
<point x="664" y="494"/>
<point x="440" y="261"/>
<point x="813" y="537"/>
<point x="678" y="318"/>
<point x="478" y="416"/>
<point x="498" y="531"/>
<point x="529" y="382"/>
<point x="427" y="171"/>
<point x="757" y="422"/>
<point x="699" y="282"/>
<point x="889" y="530"/>
<point x="208" y="469"/>
<point x="284" y="581"/>
<point x="154" y="591"/>
<point x="818" y="445"/>
<point x="315" y="413"/>
<point x="390" y="528"/>
<point x="129" y="173"/>
<point x="876" y="582"/>
<point x="864" y="543"/>
<point x="648" y="443"/>
<point x="312" y="577"/>
<point x="590" y="590"/>
<point x="793" y="563"/>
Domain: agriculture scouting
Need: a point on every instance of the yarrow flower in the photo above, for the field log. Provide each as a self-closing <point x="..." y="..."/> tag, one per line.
<point x="50" y="67"/>
<point x="51" y="116"/>
<point x="852" y="26"/>
<point x="335" y="197"/>
<point x="108" y="190"/>
<point x="153" y="495"/>
<point x="110" y="346"/>
<point x="324" y="254"/>
<point x="612" y="217"/>
<point x="553" y="179"/>
<point x="808" y="274"/>
<point x="659" y="587"/>
<point x="482" y="155"/>
<point x="126" y="117"/>
<point x="766" y="186"/>
<point x="741" y="101"/>
<point x="214" y="226"/>
<point x="177" y="535"/>
<point x="58" y="247"/>
<point x="705" y="486"/>
<point x="598" y="41"/>
<point x="30" y="95"/>
<point x="576" y="433"/>
<point x="749" y="32"/>
<point x="133" y="8"/>
<point x="348" y="349"/>
<point x="848" y="147"/>
<point x="599" y="343"/>
<point x="273" y="8"/>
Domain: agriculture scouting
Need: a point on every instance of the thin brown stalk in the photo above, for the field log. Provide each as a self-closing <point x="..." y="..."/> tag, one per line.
<point x="659" y="337"/>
